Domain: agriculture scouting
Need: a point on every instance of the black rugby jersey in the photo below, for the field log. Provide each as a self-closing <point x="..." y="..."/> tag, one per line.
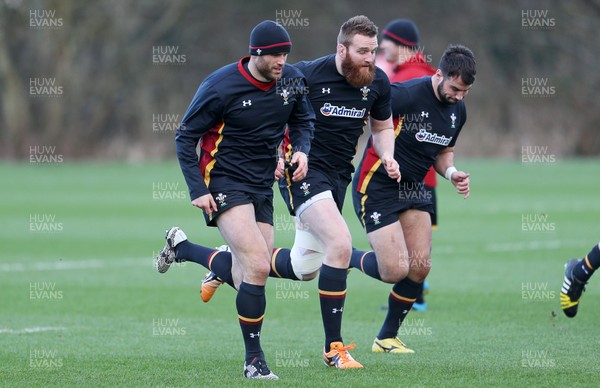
<point x="239" y="123"/>
<point x="424" y="126"/>
<point x="341" y="112"/>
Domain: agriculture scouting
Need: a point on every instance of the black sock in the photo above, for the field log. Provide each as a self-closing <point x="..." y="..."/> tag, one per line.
<point x="586" y="267"/>
<point x="251" y="304"/>
<point x="332" y="295"/>
<point x="421" y="297"/>
<point x="281" y="264"/>
<point x="366" y="262"/>
<point x="188" y="251"/>
<point x="400" y="301"/>
<point x="220" y="264"/>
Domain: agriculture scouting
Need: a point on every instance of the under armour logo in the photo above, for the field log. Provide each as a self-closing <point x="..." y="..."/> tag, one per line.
<point x="326" y="90"/>
<point x="334" y="310"/>
<point x="424" y="114"/>
<point x="258" y="51"/>
<point x="246" y="103"/>
<point x="254" y="335"/>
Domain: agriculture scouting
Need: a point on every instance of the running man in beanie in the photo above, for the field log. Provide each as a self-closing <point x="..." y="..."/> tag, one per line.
<point x="238" y="117"/>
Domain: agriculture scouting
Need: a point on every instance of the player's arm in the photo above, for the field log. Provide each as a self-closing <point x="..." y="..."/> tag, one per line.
<point x="199" y="118"/>
<point x="444" y="165"/>
<point x="383" y="142"/>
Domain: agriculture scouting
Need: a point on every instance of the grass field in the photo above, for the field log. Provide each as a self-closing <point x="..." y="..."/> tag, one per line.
<point x="82" y="305"/>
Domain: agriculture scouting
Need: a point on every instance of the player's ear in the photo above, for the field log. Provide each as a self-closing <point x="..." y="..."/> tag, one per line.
<point x="341" y="50"/>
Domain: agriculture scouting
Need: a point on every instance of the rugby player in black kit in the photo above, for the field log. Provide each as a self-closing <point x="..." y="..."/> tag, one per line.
<point x="239" y="116"/>
<point x="344" y="89"/>
<point x="429" y="114"/>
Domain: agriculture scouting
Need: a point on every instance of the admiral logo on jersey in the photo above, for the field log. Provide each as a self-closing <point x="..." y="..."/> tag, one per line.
<point x="424" y="136"/>
<point x="342" y="111"/>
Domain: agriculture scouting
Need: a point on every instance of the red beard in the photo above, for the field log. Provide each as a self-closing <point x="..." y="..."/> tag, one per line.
<point x="357" y="75"/>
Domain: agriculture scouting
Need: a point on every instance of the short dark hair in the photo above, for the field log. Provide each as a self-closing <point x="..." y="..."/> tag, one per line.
<point x="361" y="25"/>
<point x="458" y="60"/>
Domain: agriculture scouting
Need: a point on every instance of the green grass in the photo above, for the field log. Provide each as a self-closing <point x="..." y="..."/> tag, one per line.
<point x="108" y="303"/>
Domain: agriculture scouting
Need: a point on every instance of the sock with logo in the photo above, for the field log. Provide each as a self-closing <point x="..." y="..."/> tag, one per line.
<point x="365" y="262"/>
<point x="400" y="301"/>
<point x="251" y="305"/>
<point x="332" y="295"/>
<point x="586" y="267"/>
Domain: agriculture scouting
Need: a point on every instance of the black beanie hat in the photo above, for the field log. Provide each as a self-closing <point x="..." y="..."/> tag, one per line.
<point x="269" y="37"/>
<point x="403" y="32"/>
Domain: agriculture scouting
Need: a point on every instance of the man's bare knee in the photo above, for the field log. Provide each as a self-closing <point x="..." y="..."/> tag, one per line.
<point x="393" y="275"/>
<point x="419" y="270"/>
<point x="339" y="251"/>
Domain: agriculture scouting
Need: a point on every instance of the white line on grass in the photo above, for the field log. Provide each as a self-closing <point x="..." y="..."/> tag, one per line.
<point x="523" y="246"/>
<point x="69" y="265"/>
<point x="29" y="330"/>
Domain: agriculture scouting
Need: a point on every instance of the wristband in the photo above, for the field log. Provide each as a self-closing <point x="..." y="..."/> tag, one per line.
<point x="449" y="171"/>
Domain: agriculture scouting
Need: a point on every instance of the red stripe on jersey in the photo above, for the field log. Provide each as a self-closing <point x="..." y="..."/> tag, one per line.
<point x="430" y="179"/>
<point x="371" y="161"/>
<point x="264" y="86"/>
<point x="286" y="146"/>
<point x="210" y="147"/>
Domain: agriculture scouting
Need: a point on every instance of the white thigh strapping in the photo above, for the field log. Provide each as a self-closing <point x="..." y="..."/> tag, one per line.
<point x="305" y="263"/>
